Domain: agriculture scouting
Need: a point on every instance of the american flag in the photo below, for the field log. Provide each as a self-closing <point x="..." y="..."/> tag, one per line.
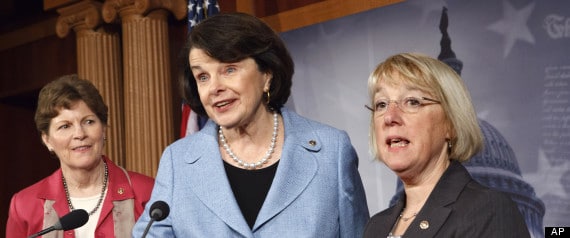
<point x="198" y="10"/>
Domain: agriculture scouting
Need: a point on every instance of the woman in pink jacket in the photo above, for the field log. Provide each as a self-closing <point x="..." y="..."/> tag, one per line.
<point x="72" y="120"/>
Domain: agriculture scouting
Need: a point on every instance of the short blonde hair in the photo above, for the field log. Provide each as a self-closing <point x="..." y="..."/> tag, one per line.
<point x="442" y="82"/>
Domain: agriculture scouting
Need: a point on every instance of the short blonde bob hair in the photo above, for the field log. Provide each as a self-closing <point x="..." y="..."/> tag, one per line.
<point x="440" y="81"/>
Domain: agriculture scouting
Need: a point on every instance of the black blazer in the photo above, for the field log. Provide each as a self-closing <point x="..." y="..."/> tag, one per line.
<point x="457" y="207"/>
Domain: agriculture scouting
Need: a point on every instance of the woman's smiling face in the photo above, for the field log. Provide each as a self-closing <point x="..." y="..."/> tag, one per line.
<point x="76" y="135"/>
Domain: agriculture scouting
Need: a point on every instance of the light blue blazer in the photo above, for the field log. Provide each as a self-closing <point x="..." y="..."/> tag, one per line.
<point x="316" y="192"/>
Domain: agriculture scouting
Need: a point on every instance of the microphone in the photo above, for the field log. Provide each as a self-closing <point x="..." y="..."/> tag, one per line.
<point x="158" y="211"/>
<point x="70" y="221"/>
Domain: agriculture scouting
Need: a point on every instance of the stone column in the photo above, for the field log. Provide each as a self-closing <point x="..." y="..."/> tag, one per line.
<point x="98" y="60"/>
<point x="147" y="78"/>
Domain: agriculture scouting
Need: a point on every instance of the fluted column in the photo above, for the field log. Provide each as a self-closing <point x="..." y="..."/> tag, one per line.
<point x="98" y="60"/>
<point x="147" y="78"/>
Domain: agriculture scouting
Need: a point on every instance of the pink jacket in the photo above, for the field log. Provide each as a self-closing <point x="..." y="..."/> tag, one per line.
<point x="39" y="206"/>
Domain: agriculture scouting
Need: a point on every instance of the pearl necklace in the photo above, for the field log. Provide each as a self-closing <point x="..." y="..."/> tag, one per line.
<point x="263" y="160"/>
<point x="100" y="198"/>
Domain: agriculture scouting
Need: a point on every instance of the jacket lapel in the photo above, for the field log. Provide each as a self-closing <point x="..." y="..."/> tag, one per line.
<point x="387" y="219"/>
<point x="209" y="180"/>
<point x="119" y="201"/>
<point x="297" y="167"/>
<point x="56" y="203"/>
<point x="428" y="222"/>
<point x="436" y="210"/>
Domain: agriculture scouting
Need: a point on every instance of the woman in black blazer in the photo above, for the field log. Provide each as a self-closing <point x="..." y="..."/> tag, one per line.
<point x="423" y="126"/>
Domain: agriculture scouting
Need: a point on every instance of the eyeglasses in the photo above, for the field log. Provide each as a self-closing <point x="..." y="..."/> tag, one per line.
<point x="407" y="105"/>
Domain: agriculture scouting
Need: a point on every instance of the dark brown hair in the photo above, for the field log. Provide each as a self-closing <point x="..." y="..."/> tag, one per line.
<point x="63" y="93"/>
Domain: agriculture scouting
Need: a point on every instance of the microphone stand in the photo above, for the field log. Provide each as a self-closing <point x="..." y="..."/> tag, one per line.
<point x="43" y="232"/>
<point x="152" y="219"/>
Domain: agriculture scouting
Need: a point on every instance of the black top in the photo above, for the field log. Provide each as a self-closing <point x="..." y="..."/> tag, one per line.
<point x="250" y="188"/>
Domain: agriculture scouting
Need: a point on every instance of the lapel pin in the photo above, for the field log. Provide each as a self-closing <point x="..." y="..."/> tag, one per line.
<point x="312" y="142"/>
<point x="120" y="191"/>
<point x="424" y="224"/>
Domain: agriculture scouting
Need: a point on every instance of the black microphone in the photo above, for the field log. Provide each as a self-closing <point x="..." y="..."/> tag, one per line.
<point x="158" y="211"/>
<point x="70" y="221"/>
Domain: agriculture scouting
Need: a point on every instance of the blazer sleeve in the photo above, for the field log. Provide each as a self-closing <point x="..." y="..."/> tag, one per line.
<point x="162" y="190"/>
<point x="352" y="199"/>
<point x="142" y="186"/>
<point x="15" y="227"/>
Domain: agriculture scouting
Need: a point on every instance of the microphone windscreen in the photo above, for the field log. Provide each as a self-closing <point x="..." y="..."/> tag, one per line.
<point x="72" y="220"/>
<point x="159" y="210"/>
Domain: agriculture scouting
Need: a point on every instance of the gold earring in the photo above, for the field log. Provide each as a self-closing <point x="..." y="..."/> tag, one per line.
<point x="268" y="96"/>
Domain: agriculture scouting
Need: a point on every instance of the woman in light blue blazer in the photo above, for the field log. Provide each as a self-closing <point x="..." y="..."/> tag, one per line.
<point x="256" y="169"/>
